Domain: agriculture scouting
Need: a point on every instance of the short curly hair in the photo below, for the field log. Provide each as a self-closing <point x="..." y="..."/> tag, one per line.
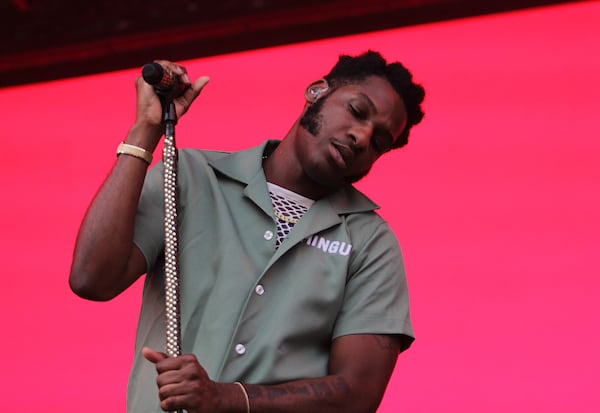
<point x="353" y="69"/>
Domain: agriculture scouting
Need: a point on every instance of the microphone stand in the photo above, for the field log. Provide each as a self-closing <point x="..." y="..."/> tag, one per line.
<point x="172" y="279"/>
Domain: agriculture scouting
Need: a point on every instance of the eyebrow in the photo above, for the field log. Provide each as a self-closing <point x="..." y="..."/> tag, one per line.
<point x="369" y="101"/>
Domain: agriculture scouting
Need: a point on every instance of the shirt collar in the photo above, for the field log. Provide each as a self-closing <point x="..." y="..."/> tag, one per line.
<point x="244" y="166"/>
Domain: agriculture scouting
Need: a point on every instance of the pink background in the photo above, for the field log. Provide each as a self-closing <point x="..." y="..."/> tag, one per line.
<point x="495" y="201"/>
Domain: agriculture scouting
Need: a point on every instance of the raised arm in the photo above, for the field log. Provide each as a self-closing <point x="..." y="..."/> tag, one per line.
<point x="105" y="260"/>
<point x="359" y="370"/>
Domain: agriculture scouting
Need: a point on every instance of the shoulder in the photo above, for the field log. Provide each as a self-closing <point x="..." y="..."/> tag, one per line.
<point x="368" y="226"/>
<point x="194" y="156"/>
<point x="193" y="162"/>
<point x="372" y="238"/>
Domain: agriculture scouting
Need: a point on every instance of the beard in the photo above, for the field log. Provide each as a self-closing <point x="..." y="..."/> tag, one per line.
<point x="312" y="118"/>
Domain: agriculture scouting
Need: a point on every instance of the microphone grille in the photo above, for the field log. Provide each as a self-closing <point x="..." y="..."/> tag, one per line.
<point x="152" y="73"/>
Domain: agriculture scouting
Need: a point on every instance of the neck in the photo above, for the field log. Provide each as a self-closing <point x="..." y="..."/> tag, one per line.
<point x="283" y="168"/>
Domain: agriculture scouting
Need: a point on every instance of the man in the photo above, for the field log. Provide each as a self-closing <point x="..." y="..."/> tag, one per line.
<point x="293" y="291"/>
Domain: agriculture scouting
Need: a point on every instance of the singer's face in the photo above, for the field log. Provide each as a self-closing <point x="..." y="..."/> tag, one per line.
<point x="348" y="129"/>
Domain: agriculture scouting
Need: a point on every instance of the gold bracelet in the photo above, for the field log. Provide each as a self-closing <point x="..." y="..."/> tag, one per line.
<point x="136" y="151"/>
<point x="245" y="396"/>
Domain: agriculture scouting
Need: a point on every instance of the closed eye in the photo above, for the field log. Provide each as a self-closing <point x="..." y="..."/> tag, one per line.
<point x="377" y="144"/>
<point x="357" y="113"/>
<point x="381" y="143"/>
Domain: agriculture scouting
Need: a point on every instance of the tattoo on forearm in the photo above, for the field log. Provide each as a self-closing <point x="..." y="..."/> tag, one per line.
<point x="340" y="385"/>
<point x="295" y="389"/>
<point x="276" y="392"/>
<point x="254" y="392"/>
<point x="321" y="389"/>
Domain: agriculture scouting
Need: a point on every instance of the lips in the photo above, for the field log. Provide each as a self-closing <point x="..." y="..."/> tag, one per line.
<point x="341" y="154"/>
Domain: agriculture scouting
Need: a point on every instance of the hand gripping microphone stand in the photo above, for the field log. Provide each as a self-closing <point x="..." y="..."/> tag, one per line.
<point x="172" y="279"/>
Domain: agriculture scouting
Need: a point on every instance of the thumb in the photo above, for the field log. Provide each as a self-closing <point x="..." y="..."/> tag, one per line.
<point x="191" y="94"/>
<point x="152" y="355"/>
<point x="196" y="87"/>
<point x="199" y="84"/>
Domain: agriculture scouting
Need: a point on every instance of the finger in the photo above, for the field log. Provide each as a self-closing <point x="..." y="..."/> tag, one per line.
<point x="142" y="86"/>
<point x="173" y="67"/>
<point x="173" y="403"/>
<point x="185" y="101"/>
<point x="197" y="87"/>
<point x="152" y="355"/>
<point x="176" y="70"/>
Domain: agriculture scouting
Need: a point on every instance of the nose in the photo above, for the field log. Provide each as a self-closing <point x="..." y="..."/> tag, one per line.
<point x="361" y="134"/>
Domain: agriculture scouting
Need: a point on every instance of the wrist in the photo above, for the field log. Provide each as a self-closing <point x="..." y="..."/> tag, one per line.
<point x="232" y="398"/>
<point x="135" y="151"/>
<point x="244" y="395"/>
<point x="144" y="136"/>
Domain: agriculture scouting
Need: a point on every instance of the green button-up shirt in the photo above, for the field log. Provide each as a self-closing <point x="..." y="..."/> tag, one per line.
<point x="251" y="312"/>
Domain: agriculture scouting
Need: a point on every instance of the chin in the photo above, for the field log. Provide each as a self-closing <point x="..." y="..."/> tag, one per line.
<point x="320" y="179"/>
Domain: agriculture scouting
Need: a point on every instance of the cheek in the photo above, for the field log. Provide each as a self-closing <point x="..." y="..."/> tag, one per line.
<point x="336" y="120"/>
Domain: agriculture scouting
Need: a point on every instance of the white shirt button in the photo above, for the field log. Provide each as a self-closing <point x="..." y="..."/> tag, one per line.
<point x="240" y="349"/>
<point x="260" y="290"/>
<point x="268" y="235"/>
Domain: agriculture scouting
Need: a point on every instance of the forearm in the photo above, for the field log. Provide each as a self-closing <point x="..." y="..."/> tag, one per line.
<point x="326" y="394"/>
<point x="102" y="262"/>
<point x="329" y="394"/>
<point x="359" y="370"/>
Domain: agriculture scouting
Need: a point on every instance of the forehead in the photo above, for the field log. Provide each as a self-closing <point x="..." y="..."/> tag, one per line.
<point x="387" y="103"/>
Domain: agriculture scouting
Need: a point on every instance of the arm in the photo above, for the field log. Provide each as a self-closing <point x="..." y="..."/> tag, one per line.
<point x="105" y="260"/>
<point x="359" y="369"/>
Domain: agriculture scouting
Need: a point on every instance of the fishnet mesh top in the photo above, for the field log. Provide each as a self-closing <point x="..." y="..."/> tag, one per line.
<point x="288" y="207"/>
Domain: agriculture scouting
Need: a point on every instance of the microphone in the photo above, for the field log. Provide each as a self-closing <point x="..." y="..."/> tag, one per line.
<point x="166" y="83"/>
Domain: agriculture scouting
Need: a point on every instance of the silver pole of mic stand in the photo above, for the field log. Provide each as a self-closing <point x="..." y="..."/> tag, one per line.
<point x="172" y="279"/>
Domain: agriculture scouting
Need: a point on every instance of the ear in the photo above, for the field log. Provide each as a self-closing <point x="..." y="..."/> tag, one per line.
<point x="315" y="90"/>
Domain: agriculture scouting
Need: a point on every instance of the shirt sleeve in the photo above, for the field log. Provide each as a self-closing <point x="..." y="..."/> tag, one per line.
<point x="376" y="298"/>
